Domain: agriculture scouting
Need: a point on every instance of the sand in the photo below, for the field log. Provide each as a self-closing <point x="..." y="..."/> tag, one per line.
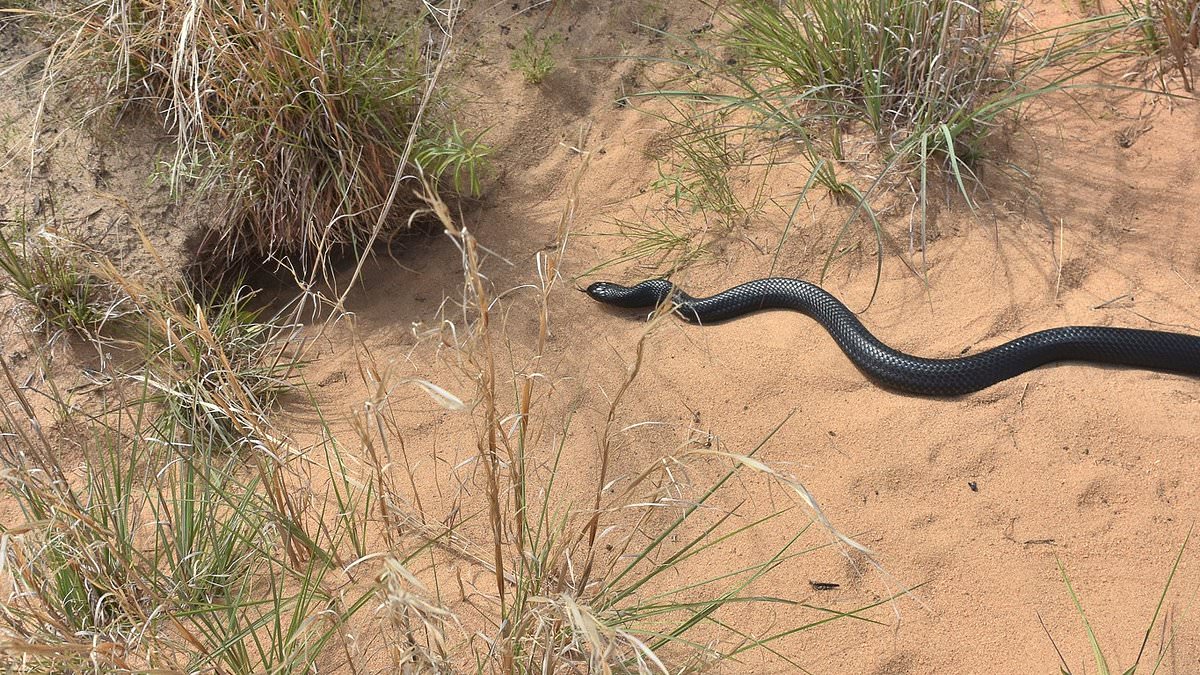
<point x="973" y="502"/>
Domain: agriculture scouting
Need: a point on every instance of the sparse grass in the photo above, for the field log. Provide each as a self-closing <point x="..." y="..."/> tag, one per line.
<point x="164" y="552"/>
<point x="660" y="242"/>
<point x="1100" y="661"/>
<point x="534" y="57"/>
<point x="54" y="277"/>
<point x="147" y="544"/>
<point x="592" y="584"/>
<point x="706" y="161"/>
<point x="872" y="96"/>
<point x="206" y="357"/>
<point x="295" y="118"/>
<point x="182" y="539"/>
<point x="709" y="170"/>
<point x="172" y="528"/>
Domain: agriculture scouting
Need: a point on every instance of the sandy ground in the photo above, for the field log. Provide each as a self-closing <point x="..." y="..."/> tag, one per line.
<point x="972" y="499"/>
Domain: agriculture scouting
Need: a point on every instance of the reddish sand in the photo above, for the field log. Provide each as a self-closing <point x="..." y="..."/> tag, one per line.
<point x="972" y="499"/>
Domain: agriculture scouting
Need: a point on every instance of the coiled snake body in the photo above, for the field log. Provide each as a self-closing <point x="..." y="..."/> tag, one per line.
<point x="1150" y="349"/>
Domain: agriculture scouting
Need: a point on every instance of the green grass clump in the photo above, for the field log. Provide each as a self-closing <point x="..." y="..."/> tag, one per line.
<point x="160" y="551"/>
<point x="867" y="96"/>
<point x="173" y="537"/>
<point x="54" y="277"/>
<point x="216" y="366"/>
<point x="294" y="117"/>
<point x="897" y="67"/>
<point x="534" y="58"/>
<point x="702" y="173"/>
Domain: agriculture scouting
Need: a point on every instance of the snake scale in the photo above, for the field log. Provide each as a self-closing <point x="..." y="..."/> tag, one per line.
<point x="1149" y="349"/>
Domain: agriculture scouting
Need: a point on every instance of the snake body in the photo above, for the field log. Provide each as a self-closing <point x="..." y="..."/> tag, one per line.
<point x="1149" y="349"/>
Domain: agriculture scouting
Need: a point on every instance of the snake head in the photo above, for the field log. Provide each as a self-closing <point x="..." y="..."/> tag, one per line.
<point x="615" y="294"/>
<point x="646" y="294"/>
<point x="605" y="291"/>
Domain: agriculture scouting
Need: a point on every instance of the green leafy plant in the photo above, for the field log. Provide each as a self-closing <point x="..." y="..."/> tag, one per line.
<point x="534" y="58"/>
<point x="456" y="158"/>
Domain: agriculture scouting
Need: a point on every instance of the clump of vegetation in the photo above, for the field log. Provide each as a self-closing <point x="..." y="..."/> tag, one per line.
<point x="903" y="70"/>
<point x="1169" y="29"/>
<point x="868" y="96"/>
<point x="294" y="117"/>
<point x="215" y="365"/>
<point x="534" y="58"/>
<point x="56" y="279"/>
<point x="160" y="538"/>
<point x="163" y="553"/>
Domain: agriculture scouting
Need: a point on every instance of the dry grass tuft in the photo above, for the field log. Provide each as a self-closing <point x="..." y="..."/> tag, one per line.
<point x="1170" y="30"/>
<point x="294" y="117"/>
<point x="55" y="277"/>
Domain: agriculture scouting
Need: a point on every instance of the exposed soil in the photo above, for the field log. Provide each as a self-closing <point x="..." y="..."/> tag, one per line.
<point x="972" y="499"/>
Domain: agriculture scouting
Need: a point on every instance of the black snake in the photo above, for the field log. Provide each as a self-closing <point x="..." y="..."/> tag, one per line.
<point x="1151" y="349"/>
